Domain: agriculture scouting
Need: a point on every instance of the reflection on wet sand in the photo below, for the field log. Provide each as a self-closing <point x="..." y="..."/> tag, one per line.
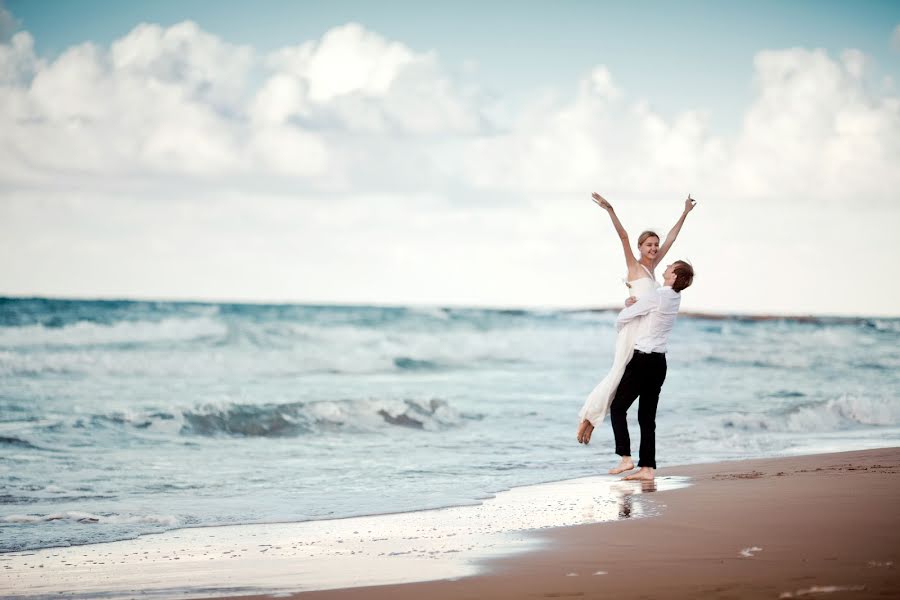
<point x="626" y="491"/>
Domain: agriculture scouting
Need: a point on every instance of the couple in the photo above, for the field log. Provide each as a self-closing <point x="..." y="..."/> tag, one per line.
<point x="639" y="367"/>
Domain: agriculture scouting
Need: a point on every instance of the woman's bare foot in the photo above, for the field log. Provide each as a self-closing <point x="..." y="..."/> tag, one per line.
<point x="625" y="464"/>
<point x="644" y="474"/>
<point x="584" y="432"/>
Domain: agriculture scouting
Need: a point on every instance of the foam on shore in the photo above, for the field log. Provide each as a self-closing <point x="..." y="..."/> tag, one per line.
<point x="280" y="557"/>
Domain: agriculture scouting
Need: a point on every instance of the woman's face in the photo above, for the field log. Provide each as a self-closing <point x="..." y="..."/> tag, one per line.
<point x="650" y="247"/>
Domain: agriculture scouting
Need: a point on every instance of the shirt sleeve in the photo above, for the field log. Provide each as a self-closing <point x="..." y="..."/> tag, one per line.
<point x="638" y="309"/>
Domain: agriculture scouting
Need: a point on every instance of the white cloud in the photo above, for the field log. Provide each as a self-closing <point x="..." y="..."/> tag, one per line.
<point x="354" y="168"/>
<point x="282" y="97"/>
<point x="180" y="101"/>
<point x="596" y="138"/>
<point x="356" y="80"/>
<point x="155" y="103"/>
<point x="895" y="38"/>
<point x="8" y="24"/>
<point x="18" y="62"/>
<point x="816" y="134"/>
<point x="289" y="151"/>
<point x="200" y="65"/>
<point x="347" y="60"/>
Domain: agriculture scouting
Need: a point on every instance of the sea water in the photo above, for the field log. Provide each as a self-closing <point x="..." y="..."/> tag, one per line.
<point x="119" y="418"/>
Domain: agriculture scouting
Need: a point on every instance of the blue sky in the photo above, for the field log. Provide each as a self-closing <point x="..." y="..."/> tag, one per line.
<point x="444" y="153"/>
<point x="676" y="55"/>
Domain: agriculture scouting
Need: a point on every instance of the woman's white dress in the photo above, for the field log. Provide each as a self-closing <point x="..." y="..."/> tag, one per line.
<point x="598" y="401"/>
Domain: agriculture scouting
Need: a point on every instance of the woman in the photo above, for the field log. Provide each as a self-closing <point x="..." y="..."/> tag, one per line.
<point x="640" y="281"/>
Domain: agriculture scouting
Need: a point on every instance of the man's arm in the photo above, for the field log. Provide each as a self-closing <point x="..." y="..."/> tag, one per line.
<point x="638" y="309"/>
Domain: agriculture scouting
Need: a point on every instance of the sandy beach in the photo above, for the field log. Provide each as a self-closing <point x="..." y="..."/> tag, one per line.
<point x="769" y="528"/>
<point x="775" y="528"/>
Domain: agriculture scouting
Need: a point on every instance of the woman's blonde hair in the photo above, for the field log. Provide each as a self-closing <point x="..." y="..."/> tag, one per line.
<point x="647" y="234"/>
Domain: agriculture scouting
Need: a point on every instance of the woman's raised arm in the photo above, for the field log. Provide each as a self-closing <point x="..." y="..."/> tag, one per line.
<point x="689" y="205"/>
<point x="630" y="261"/>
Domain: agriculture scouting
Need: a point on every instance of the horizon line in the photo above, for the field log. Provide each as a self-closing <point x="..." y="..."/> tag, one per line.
<point x="693" y="314"/>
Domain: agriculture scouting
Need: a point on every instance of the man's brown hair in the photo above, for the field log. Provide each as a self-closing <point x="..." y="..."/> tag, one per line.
<point x="684" y="275"/>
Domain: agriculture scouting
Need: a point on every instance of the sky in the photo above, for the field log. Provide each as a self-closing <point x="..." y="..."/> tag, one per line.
<point x="444" y="154"/>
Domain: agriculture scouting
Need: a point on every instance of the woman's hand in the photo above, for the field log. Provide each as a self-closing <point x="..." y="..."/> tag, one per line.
<point x="601" y="201"/>
<point x="689" y="204"/>
<point x="629" y="301"/>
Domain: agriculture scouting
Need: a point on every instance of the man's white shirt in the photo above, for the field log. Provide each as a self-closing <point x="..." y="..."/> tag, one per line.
<point x="661" y="308"/>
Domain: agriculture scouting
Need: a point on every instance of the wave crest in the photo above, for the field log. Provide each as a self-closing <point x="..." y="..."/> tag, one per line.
<point x="299" y="418"/>
<point x="88" y="333"/>
<point x="89" y="518"/>
<point x="838" y="413"/>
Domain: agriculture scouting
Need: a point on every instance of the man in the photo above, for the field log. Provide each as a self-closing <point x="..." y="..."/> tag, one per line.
<point x="646" y="371"/>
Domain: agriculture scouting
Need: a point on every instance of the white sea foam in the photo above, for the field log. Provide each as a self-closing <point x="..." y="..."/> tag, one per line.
<point x="357" y="551"/>
<point x="845" y="411"/>
<point x="822" y="589"/>
<point x="273" y="420"/>
<point x="86" y="333"/>
<point x="84" y="517"/>
<point x="887" y="325"/>
<point x="751" y="551"/>
<point x="428" y="311"/>
<point x="274" y="348"/>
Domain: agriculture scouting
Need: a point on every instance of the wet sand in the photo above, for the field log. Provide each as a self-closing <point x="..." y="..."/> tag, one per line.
<point x="772" y="528"/>
<point x="800" y="527"/>
<point x="315" y="555"/>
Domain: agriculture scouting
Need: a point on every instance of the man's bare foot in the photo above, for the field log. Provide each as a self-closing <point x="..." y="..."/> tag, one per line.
<point x="584" y="432"/>
<point x="644" y="474"/>
<point x="625" y="464"/>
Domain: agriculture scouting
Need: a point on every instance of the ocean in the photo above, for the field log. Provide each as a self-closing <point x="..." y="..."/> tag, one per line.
<point x="121" y="418"/>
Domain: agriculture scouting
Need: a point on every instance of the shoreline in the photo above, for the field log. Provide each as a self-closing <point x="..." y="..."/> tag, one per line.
<point x="431" y="544"/>
<point x="783" y="527"/>
<point x="693" y="540"/>
<point x="491" y="495"/>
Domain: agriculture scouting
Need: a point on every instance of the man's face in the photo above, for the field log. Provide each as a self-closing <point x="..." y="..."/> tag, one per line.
<point x="669" y="272"/>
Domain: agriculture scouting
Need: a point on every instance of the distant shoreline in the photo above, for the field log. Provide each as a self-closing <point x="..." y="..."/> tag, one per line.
<point x="824" y="319"/>
<point x="712" y="316"/>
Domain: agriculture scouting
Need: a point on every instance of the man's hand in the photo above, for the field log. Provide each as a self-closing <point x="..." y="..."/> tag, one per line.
<point x="601" y="201"/>
<point x="629" y="301"/>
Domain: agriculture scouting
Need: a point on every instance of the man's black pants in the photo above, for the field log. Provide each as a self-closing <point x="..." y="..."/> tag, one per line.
<point x="643" y="377"/>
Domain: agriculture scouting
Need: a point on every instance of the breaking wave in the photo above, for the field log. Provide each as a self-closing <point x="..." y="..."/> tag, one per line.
<point x="90" y="518"/>
<point x="87" y="333"/>
<point x="838" y="413"/>
<point x="298" y="418"/>
<point x="15" y="442"/>
<point x="276" y="419"/>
